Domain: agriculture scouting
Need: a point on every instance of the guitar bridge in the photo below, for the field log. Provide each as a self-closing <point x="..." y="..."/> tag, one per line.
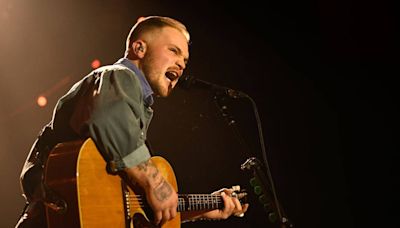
<point x="125" y="197"/>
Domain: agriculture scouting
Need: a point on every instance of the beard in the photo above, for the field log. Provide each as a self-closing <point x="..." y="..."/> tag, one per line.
<point x="156" y="79"/>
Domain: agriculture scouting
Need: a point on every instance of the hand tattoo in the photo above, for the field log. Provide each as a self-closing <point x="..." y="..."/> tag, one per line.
<point x="163" y="191"/>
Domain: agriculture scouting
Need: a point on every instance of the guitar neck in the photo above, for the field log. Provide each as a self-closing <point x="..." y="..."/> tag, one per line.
<point x="197" y="202"/>
<point x="187" y="202"/>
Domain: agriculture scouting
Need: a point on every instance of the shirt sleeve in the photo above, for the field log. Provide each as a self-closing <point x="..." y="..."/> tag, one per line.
<point x="110" y="111"/>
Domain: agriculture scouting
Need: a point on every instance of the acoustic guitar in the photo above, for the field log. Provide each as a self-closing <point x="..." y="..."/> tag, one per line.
<point x="84" y="195"/>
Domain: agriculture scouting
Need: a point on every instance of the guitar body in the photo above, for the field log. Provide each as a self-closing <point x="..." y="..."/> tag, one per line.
<point x="76" y="173"/>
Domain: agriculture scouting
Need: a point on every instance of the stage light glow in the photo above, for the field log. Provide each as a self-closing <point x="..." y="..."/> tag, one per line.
<point x="41" y="101"/>
<point x="96" y="63"/>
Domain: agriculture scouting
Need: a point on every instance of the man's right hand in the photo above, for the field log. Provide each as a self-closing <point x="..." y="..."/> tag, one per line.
<point x="160" y="195"/>
<point x="163" y="200"/>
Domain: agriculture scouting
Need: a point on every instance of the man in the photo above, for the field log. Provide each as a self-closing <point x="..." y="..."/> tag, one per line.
<point x="112" y="105"/>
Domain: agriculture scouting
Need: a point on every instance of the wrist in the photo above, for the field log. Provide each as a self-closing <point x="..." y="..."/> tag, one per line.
<point x="145" y="175"/>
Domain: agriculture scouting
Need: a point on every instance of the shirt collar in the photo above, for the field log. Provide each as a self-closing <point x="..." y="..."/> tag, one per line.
<point x="146" y="89"/>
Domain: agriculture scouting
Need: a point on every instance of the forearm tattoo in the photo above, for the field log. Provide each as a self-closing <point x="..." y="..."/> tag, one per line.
<point x="144" y="165"/>
<point x="163" y="189"/>
<point x="149" y="168"/>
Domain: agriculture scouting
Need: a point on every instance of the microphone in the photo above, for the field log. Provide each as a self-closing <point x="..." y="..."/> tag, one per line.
<point x="188" y="82"/>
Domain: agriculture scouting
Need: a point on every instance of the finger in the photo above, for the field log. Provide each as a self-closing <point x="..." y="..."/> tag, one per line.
<point x="172" y="212"/>
<point x="238" y="205"/>
<point x="238" y="210"/>
<point x="228" y="191"/>
<point x="229" y="206"/>
<point x="242" y="211"/>
<point x="157" y="217"/>
<point x="165" y="217"/>
<point x="245" y="207"/>
<point x="228" y="201"/>
<point x="218" y="192"/>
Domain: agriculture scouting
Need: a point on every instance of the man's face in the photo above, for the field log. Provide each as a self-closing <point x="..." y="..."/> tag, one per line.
<point x="165" y="59"/>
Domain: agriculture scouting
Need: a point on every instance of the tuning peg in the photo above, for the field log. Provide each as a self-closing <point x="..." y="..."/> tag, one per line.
<point x="257" y="190"/>
<point x="254" y="182"/>
<point x="264" y="199"/>
<point x="272" y="217"/>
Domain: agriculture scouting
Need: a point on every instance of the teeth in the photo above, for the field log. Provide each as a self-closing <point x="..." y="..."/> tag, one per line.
<point x="170" y="75"/>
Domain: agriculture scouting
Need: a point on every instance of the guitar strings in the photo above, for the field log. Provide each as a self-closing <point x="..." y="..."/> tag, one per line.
<point x="138" y="200"/>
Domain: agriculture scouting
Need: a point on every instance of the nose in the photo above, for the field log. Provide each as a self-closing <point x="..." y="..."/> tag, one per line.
<point x="181" y="64"/>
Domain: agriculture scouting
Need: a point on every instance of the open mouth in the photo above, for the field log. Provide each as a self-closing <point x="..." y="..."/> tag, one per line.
<point x="171" y="75"/>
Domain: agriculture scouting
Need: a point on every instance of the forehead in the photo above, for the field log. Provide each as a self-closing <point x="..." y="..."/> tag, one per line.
<point x="174" y="37"/>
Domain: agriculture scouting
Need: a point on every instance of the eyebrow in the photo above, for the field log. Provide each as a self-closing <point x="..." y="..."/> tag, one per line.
<point x="186" y="60"/>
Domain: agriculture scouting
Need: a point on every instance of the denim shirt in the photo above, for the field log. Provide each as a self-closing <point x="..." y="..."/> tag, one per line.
<point x="111" y="105"/>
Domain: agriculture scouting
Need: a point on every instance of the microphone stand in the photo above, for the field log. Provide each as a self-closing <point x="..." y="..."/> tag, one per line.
<point x="262" y="182"/>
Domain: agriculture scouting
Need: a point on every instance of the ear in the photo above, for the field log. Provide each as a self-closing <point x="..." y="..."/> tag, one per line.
<point x="139" y="48"/>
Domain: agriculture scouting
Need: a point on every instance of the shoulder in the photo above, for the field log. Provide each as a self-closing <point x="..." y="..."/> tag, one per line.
<point x="115" y="73"/>
<point x="109" y="77"/>
<point x="117" y="80"/>
<point x="113" y="69"/>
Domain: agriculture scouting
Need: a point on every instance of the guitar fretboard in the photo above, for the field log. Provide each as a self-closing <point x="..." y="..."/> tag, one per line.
<point x="186" y="202"/>
<point x="196" y="202"/>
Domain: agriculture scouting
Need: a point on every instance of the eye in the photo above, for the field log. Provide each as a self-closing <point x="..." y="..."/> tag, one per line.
<point x="174" y="50"/>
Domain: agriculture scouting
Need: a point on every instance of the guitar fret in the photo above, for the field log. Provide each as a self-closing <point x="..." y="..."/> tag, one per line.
<point x="194" y="202"/>
<point x="190" y="203"/>
<point x="181" y="204"/>
<point x="196" y="198"/>
<point x="203" y="204"/>
<point x="190" y="206"/>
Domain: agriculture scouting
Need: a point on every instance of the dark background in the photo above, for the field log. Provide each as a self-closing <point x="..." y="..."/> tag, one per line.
<point x="322" y="74"/>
